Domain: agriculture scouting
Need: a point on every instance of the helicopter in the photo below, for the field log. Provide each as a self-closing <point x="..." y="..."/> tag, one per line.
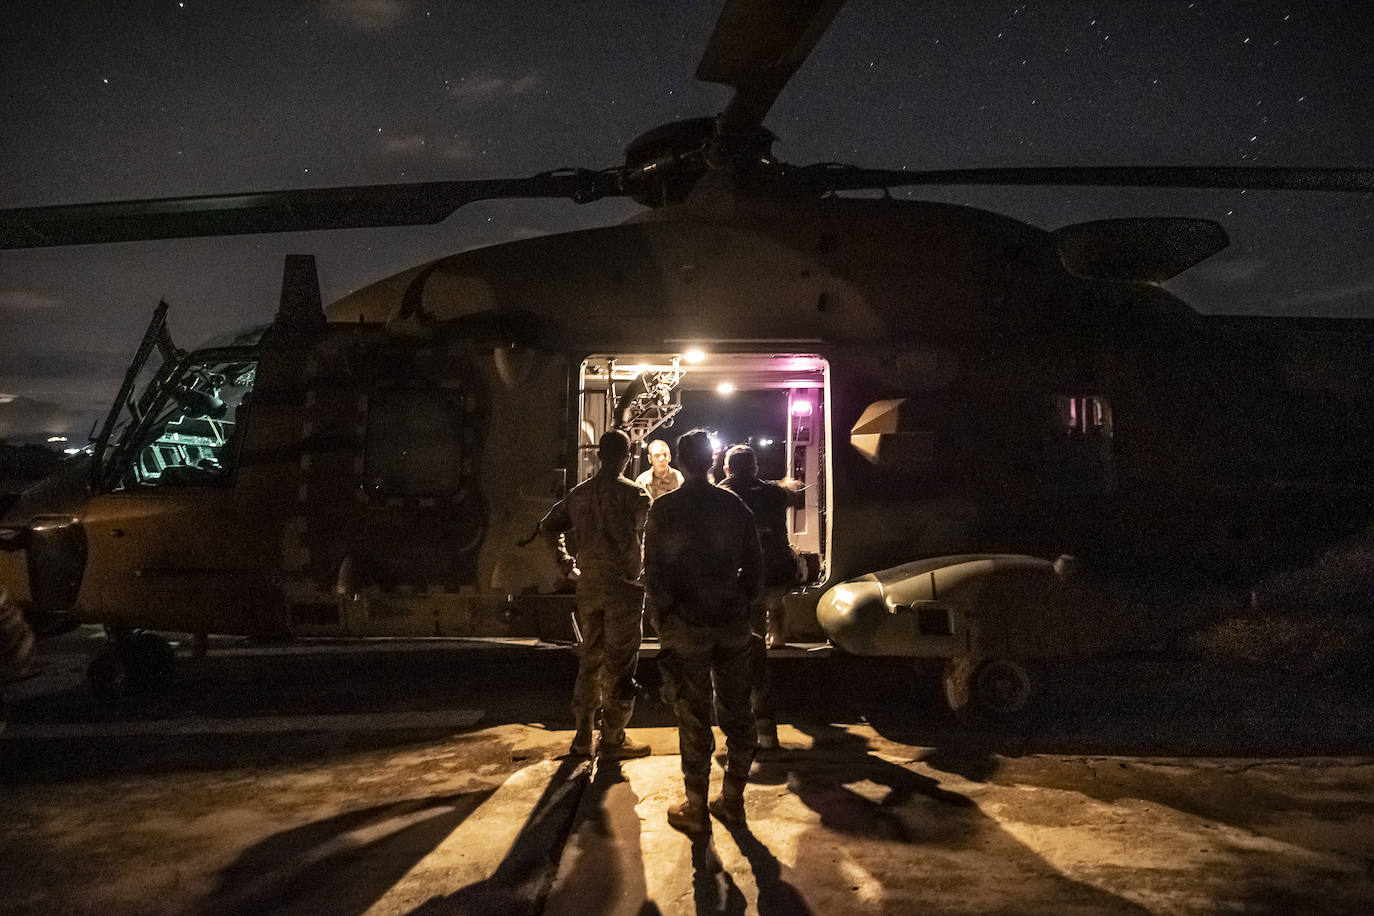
<point x="990" y="420"/>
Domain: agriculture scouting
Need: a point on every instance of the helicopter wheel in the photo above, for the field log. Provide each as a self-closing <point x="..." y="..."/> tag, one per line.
<point x="131" y="665"/>
<point x="987" y="691"/>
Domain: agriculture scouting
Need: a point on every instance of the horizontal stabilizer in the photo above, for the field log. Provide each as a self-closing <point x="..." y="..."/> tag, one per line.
<point x="1141" y="250"/>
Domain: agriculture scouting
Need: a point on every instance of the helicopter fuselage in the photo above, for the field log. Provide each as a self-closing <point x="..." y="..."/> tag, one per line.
<point x="943" y="387"/>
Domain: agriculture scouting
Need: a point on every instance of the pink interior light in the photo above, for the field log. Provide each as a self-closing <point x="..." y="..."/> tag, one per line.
<point x="801" y="408"/>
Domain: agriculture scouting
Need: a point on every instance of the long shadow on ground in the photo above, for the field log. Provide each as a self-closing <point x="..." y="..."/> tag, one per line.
<point x="341" y="864"/>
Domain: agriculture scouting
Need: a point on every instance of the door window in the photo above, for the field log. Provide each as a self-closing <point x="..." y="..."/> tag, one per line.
<point x="414" y="445"/>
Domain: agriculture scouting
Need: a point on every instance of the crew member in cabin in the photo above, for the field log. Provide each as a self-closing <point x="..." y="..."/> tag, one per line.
<point x="606" y="515"/>
<point x="769" y="501"/>
<point x="702" y="568"/>
<point x="661" y="477"/>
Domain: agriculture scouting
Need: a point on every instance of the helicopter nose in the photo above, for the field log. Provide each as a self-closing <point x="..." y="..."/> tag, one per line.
<point x="853" y="613"/>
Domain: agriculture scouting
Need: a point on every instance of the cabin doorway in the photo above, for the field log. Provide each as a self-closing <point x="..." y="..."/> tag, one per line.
<point x="776" y="403"/>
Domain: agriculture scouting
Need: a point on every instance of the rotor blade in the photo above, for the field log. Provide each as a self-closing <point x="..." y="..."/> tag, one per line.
<point x="756" y="47"/>
<point x="415" y="204"/>
<point x="833" y="177"/>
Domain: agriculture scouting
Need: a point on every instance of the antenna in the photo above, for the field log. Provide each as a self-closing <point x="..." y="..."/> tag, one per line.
<point x="300" y="309"/>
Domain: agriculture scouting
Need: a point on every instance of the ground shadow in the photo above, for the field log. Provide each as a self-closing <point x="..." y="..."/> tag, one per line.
<point x="1139" y="703"/>
<point x="820" y="778"/>
<point x="340" y="864"/>
<point x="776" y="895"/>
<point x="602" y="860"/>
<point x="521" y="882"/>
<point x="866" y="805"/>
<point x="49" y="760"/>
<point x="304" y="679"/>
<point x="714" y="890"/>
<point x="509" y="685"/>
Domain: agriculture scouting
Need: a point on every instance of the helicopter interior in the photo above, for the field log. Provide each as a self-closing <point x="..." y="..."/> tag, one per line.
<point x="191" y="441"/>
<point x="776" y="403"/>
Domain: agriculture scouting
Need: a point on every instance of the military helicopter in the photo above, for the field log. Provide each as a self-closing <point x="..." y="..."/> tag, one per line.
<point x="990" y="420"/>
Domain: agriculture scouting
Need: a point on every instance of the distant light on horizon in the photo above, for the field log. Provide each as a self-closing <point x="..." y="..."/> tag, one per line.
<point x="725" y="388"/>
<point x="694" y="355"/>
<point x="57" y="438"/>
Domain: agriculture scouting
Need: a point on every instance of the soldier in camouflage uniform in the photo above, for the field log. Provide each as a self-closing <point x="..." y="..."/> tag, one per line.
<point x="606" y="515"/>
<point x="769" y="501"/>
<point x="702" y="568"/>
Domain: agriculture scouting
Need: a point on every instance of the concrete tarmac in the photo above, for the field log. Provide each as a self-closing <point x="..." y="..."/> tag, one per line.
<point x="834" y="827"/>
<point x="430" y="778"/>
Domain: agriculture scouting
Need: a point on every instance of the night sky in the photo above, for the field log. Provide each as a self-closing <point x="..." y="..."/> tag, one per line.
<point x="110" y="100"/>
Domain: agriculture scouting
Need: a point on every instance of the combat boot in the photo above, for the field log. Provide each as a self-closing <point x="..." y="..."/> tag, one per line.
<point x="626" y="749"/>
<point x="583" y="740"/>
<point x="767" y="731"/>
<point x="690" y="816"/>
<point x="728" y="806"/>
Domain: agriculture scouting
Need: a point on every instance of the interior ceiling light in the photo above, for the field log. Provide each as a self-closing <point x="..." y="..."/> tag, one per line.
<point x="801" y="408"/>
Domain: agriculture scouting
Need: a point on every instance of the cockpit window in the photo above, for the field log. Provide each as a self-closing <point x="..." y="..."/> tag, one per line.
<point x="191" y="436"/>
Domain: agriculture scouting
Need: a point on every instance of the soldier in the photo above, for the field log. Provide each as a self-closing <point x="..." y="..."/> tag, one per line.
<point x="702" y="568"/>
<point x="769" y="502"/>
<point x="661" y="477"/>
<point x="606" y="514"/>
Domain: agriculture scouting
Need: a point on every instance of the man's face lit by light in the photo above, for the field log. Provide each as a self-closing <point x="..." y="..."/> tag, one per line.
<point x="659" y="456"/>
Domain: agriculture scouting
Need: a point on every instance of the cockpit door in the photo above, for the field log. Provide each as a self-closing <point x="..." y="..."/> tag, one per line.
<point x="58" y="551"/>
<point x="127" y="411"/>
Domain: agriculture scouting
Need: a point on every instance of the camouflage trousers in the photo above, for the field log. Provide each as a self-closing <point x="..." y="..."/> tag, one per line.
<point x="766" y="609"/>
<point x="610" y="615"/>
<point x="699" y="665"/>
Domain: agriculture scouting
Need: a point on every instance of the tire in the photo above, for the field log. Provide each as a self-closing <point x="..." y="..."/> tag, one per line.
<point x="132" y="665"/>
<point x="107" y="675"/>
<point x="987" y="691"/>
<point x="151" y="661"/>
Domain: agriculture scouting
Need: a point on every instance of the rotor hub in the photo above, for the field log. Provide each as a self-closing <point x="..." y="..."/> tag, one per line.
<point x="662" y="165"/>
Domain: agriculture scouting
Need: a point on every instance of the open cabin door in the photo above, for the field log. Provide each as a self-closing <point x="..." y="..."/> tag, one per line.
<point x="525" y="462"/>
<point x="776" y="403"/>
<point x="806" y="464"/>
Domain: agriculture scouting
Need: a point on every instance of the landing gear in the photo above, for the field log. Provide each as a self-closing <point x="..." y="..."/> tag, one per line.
<point x="987" y="691"/>
<point x="134" y="663"/>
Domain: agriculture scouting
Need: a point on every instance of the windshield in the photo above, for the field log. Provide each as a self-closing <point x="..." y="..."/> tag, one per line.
<point x="176" y="416"/>
<point x="186" y="422"/>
